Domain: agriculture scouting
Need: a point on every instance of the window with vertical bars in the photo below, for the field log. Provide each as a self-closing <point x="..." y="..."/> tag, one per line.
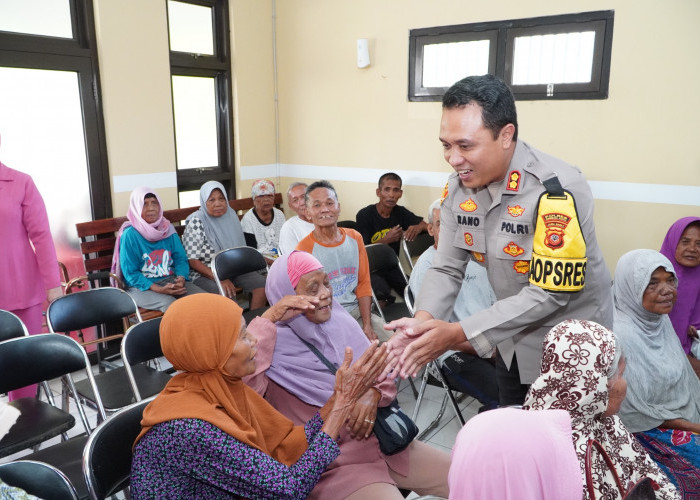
<point x="554" y="57"/>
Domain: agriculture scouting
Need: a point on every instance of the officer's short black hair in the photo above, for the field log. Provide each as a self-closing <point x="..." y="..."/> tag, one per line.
<point x="489" y="92"/>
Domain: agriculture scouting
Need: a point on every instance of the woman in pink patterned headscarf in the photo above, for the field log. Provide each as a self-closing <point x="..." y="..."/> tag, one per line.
<point x="582" y="373"/>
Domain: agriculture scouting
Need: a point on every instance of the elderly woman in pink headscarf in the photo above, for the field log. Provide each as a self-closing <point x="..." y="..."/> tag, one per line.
<point x="149" y="256"/>
<point x="298" y="383"/>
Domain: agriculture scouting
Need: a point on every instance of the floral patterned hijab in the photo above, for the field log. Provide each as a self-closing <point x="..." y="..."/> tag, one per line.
<point x="577" y="357"/>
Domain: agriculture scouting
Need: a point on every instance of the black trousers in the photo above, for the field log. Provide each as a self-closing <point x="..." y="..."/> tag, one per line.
<point x="474" y="376"/>
<point x="382" y="283"/>
<point x="510" y="390"/>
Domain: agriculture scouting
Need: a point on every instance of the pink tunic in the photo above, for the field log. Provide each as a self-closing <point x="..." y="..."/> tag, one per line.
<point x="360" y="462"/>
<point x="26" y="272"/>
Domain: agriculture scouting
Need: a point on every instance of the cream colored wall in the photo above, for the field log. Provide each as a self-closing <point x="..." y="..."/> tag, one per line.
<point x="334" y="114"/>
<point x="132" y="44"/>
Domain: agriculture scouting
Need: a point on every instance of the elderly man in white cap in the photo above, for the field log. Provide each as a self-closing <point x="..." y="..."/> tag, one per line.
<point x="264" y="222"/>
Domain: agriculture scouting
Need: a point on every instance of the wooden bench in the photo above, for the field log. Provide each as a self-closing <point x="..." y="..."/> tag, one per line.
<point x="97" y="239"/>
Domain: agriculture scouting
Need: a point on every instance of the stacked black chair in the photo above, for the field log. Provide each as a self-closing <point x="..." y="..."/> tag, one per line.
<point x="11" y="326"/>
<point x="413" y="249"/>
<point x="141" y="344"/>
<point x="233" y="262"/>
<point x="351" y="224"/>
<point x="35" y="358"/>
<point x="38" y="479"/>
<point x="97" y="307"/>
<point x="107" y="455"/>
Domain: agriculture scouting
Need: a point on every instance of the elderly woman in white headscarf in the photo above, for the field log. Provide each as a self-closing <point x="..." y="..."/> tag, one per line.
<point x="662" y="406"/>
<point x="212" y="228"/>
<point x="582" y="373"/>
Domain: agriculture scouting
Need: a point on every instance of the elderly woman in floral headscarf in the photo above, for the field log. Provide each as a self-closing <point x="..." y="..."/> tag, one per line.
<point x="662" y="406"/>
<point x="582" y="372"/>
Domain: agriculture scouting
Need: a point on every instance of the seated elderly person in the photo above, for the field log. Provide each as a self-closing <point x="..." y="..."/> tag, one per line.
<point x="387" y="222"/>
<point x="343" y="255"/>
<point x="512" y="454"/>
<point x="263" y="223"/>
<point x="212" y="228"/>
<point x="148" y="254"/>
<point x="471" y="374"/>
<point x="682" y="247"/>
<point x="296" y="228"/>
<point x="209" y="435"/>
<point x="662" y="406"/>
<point x="582" y="372"/>
<point x="298" y="383"/>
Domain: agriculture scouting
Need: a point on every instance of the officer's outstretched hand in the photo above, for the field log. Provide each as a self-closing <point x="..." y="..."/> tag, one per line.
<point x="432" y="338"/>
<point x="402" y="337"/>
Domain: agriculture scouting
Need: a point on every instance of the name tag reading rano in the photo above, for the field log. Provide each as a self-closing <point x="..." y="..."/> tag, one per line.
<point x="559" y="249"/>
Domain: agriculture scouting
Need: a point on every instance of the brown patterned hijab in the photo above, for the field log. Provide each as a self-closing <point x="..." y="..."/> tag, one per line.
<point x="577" y="357"/>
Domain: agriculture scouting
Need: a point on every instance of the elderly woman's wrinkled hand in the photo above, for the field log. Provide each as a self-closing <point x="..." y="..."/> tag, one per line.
<point x="289" y="306"/>
<point x="351" y="382"/>
<point x="364" y="413"/>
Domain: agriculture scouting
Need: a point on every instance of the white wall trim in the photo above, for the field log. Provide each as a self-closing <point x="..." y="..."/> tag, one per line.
<point x="127" y="183"/>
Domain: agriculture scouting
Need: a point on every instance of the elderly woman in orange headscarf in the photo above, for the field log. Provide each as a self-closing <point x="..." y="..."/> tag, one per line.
<point x="208" y="435"/>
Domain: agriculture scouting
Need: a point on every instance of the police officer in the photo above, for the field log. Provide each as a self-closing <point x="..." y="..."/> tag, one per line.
<point x="525" y="216"/>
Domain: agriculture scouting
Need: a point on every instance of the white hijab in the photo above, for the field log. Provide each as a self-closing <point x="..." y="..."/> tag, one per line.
<point x="661" y="384"/>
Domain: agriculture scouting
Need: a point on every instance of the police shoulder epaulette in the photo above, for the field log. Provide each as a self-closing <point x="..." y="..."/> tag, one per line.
<point x="559" y="248"/>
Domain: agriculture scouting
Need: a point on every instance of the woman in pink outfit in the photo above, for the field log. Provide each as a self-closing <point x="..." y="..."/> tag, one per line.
<point x="29" y="267"/>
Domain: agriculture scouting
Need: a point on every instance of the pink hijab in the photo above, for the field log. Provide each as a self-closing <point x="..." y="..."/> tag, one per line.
<point x="513" y="454"/>
<point x="686" y="311"/>
<point x="159" y="230"/>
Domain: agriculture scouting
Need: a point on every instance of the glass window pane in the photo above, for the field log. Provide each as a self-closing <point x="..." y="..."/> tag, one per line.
<point x="189" y="198"/>
<point x="36" y="17"/>
<point x="42" y="134"/>
<point x="194" y="104"/>
<point x="559" y="58"/>
<point x="446" y="63"/>
<point x="191" y="28"/>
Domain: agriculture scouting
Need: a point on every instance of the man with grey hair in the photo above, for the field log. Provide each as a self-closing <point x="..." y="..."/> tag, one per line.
<point x="297" y="227"/>
<point x="469" y="373"/>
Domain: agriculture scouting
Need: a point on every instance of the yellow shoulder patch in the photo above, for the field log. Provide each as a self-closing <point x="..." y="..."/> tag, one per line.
<point x="558" y="249"/>
<point x="444" y="193"/>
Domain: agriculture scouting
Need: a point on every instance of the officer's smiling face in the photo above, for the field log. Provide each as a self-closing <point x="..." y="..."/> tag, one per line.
<point x="471" y="149"/>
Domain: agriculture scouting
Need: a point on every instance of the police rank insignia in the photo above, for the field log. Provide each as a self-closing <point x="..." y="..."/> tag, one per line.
<point x="513" y="183"/>
<point x="468" y="239"/>
<point x="479" y="257"/>
<point x="513" y="250"/>
<point x="521" y="266"/>
<point x="468" y="205"/>
<point x="516" y="211"/>
<point x="444" y="193"/>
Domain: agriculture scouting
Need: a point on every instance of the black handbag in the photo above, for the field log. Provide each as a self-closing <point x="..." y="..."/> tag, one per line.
<point x="394" y="429"/>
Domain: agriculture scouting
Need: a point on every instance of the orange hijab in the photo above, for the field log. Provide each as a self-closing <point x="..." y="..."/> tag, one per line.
<point x="197" y="334"/>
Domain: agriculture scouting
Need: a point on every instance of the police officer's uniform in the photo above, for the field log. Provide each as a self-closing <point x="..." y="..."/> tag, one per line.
<point x="499" y="233"/>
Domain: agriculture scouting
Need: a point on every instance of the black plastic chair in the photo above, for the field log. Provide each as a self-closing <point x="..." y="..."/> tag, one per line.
<point x="413" y="249"/>
<point x="11" y="326"/>
<point x="348" y="223"/>
<point x="435" y="369"/>
<point x="382" y="259"/>
<point x="233" y="262"/>
<point x="38" y="479"/>
<point x="141" y="344"/>
<point x="97" y="307"/>
<point x="29" y="360"/>
<point x="107" y="455"/>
